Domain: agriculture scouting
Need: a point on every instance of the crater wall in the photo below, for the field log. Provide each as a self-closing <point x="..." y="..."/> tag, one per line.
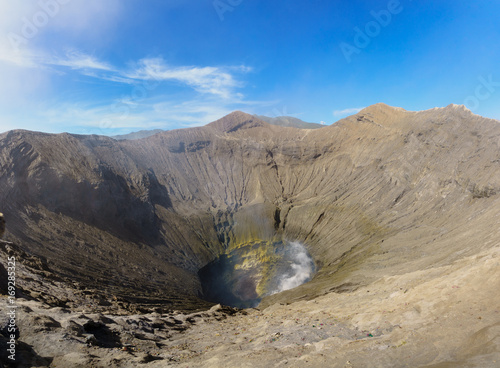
<point x="379" y="193"/>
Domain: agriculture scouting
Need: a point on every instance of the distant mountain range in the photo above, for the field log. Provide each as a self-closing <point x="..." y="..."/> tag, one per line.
<point x="284" y="121"/>
<point x="136" y="135"/>
<point x="289" y="121"/>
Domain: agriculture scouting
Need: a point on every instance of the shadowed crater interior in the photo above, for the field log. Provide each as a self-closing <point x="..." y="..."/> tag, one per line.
<point x="246" y="273"/>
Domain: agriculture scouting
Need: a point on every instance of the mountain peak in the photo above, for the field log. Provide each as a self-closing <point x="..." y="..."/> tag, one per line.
<point x="235" y="121"/>
<point x="457" y="106"/>
<point x="380" y="108"/>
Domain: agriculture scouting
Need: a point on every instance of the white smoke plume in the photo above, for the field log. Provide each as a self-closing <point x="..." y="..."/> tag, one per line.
<point x="301" y="267"/>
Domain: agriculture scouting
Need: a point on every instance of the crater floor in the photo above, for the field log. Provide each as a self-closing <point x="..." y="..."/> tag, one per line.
<point x="248" y="272"/>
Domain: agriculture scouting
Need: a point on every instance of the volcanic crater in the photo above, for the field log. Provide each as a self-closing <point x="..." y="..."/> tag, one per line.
<point x="384" y="210"/>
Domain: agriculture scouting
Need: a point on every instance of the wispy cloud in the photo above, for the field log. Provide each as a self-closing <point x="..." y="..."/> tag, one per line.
<point x="349" y="111"/>
<point x="75" y="60"/>
<point x="218" y="81"/>
<point x="213" y="80"/>
<point x="78" y="60"/>
<point x="145" y="105"/>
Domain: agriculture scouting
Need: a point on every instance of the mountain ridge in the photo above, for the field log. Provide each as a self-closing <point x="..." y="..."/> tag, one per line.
<point x="285" y="121"/>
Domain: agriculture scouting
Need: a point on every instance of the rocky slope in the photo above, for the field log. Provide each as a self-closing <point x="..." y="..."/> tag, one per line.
<point x="396" y="207"/>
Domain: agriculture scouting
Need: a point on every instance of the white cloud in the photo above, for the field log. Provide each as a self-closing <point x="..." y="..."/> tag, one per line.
<point x="79" y="60"/>
<point x="350" y="111"/>
<point x="206" y="79"/>
<point x="210" y="80"/>
<point x="75" y="60"/>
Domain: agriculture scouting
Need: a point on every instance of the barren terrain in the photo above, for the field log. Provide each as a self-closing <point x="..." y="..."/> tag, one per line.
<point x="400" y="211"/>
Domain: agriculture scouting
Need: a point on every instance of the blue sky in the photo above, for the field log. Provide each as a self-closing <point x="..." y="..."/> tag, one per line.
<point x="112" y="67"/>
